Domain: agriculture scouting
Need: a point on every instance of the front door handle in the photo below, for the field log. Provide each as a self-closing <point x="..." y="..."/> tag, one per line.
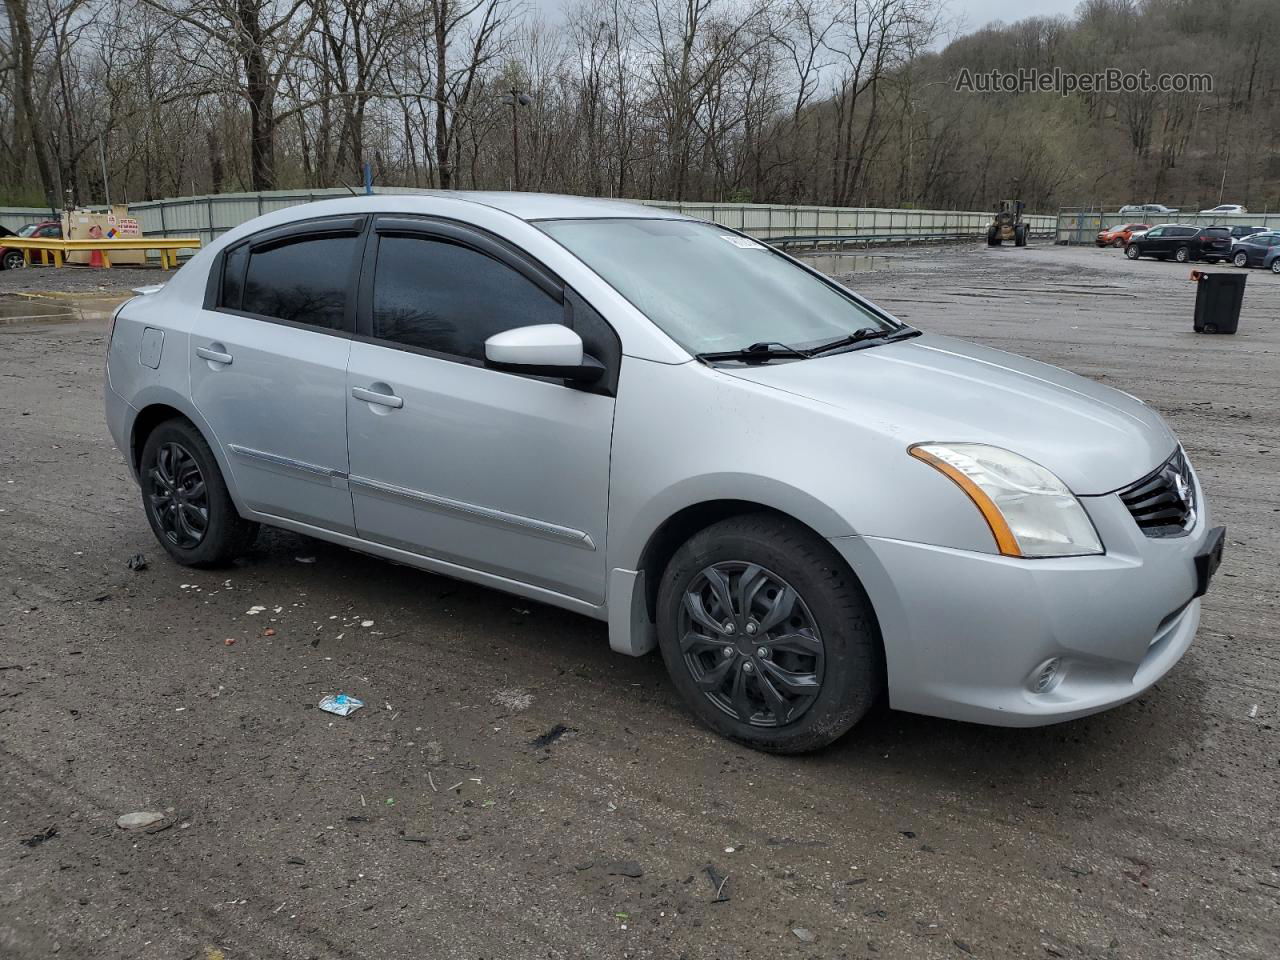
<point x="214" y="356"/>
<point x="382" y="399"/>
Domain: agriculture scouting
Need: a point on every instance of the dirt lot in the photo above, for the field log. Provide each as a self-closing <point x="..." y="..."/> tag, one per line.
<point x="434" y="823"/>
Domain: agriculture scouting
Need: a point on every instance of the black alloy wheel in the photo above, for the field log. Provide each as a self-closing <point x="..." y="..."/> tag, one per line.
<point x="751" y="644"/>
<point x="178" y="496"/>
<point x="186" y="500"/>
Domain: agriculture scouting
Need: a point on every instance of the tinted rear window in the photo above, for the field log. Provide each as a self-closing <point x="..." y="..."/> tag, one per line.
<point x="303" y="281"/>
<point x="1217" y="232"/>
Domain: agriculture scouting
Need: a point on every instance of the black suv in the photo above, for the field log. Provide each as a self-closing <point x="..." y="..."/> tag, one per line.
<point x="1183" y="243"/>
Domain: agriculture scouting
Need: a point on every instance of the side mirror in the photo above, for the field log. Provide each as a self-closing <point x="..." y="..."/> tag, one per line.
<point x="544" y="350"/>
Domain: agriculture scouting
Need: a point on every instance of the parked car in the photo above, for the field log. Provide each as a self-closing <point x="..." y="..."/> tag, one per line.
<point x="671" y="427"/>
<point x="1226" y="208"/>
<point x="1147" y="208"/>
<point x="1258" y="250"/>
<point x="1239" y="233"/>
<point x="1121" y="235"/>
<point x="1183" y="243"/>
<point x="11" y="258"/>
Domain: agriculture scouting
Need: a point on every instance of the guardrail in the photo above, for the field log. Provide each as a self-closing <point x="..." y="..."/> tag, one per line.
<point x="210" y="216"/>
<point x="868" y="240"/>
<point x="167" y="248"/>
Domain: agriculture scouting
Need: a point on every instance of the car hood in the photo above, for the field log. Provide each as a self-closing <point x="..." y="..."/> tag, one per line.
<point x="1095" y="438"/>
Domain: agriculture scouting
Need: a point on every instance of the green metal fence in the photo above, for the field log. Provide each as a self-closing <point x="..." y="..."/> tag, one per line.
<point x="209" y="216"/>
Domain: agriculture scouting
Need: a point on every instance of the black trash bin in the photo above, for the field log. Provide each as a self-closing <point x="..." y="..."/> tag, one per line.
<point x="1218" y="299"/>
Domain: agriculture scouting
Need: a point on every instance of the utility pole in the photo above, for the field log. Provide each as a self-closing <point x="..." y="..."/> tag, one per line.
<point x="517" y="98"/>
<point x="106" y="184"/>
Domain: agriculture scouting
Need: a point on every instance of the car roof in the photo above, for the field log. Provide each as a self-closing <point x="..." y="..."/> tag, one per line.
<point x="541" y="206"/>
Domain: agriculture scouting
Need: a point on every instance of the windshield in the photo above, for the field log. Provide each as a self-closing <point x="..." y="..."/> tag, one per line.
<point x="711" y="290"/>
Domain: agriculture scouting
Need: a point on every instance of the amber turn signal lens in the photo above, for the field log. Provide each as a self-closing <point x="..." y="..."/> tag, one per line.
<point x="1005" y="540"/>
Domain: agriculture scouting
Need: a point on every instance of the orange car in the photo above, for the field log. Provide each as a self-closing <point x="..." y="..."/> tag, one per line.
<point x="1120" y="236"/>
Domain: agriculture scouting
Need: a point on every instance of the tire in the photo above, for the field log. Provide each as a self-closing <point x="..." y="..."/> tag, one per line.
<point x="13" y="260"/>
<point x="1241" y="259"/>
<point x="1132" y="252"/>
<point x="993" y="238"/>
<point x="1275" y="265"/>
<point x="1118" y="242"/>
<point x="1020" y="235"/>
<point x="177" y="465"/>
<point x="1182" y="254"/>
<point x="834" y="640"/>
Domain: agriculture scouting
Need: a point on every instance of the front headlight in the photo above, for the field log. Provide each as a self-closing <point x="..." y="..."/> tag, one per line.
<point x="1031" y="512"/>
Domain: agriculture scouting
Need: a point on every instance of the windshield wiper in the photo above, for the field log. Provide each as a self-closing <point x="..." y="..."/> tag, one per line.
<point x="861" y="336"/>
<point x="761" y="352"/>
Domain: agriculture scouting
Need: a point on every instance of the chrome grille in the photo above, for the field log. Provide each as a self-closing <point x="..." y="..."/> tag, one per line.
<point x="1163" y="503"/>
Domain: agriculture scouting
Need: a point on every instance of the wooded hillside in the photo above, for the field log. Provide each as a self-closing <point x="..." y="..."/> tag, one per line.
<point x="848" y="102"/>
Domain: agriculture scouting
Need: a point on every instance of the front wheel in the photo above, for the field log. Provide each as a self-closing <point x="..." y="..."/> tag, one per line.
<point x="1241" y="259"/>
<point x="186" y="500"/>
<point x="1275" y="265"/>
<point x="1118" y="242"/>
<point x="13" y="260"/>
<point x="1132" y="252"/>
<point x="767" y="635"/>
<point x="1182" y="254"/>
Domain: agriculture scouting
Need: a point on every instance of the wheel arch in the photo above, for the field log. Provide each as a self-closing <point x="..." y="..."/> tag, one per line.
<point x="157" y="405"/>
<point x="684" y="523"/>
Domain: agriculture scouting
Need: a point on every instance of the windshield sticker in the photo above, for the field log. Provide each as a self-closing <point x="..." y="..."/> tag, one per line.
<point x="742" y="243"/>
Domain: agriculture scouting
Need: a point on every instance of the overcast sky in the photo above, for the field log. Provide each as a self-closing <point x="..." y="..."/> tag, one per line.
<point x="978" y="13"/>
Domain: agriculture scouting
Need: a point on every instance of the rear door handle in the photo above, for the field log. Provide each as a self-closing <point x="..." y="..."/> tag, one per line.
<point x="382" y="399"/>
<point x="215" y="356"/>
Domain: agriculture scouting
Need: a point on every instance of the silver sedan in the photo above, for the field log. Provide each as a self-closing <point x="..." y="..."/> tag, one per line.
<point x="667" y="425"/>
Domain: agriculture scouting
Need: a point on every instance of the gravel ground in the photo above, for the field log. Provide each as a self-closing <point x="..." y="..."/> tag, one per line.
<point x="512" y="789"/>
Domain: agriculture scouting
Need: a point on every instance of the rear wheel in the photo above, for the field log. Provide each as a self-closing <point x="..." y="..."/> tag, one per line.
<point x="186" y="500"/>
<point x="1182" y="254"/>
<point x="1275" y="265"/>
<point x="1241" y="259"/>
<point x="13" y="260"/>
<point x="1020" y="235"/>
<point x="993" y="237"/>
<point x="1132" y="252"/>
<point x="768" y="636"/>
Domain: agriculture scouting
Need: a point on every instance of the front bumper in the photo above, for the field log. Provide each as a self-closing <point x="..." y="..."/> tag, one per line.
<point x="966" y="633"/>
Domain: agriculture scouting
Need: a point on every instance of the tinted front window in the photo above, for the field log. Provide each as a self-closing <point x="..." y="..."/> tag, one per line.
<point x="303" y="281"/>
<point x="712" y="290"/>
<point x="28" y="230"/>
<point x="446" y="298"/>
